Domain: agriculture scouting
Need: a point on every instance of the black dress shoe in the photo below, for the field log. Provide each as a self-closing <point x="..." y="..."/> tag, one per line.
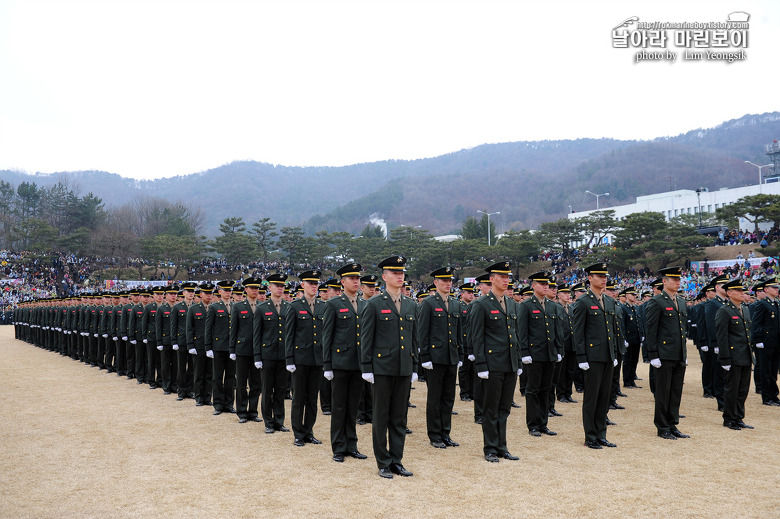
<point x="678" y="434"/>
<point x="179" y="398"/>
<point x="707" y="395"/>
<point x="478" y="421"/>
<point x="282" y="428"/>
<point x="312" y="440"/>
<point x="397" y="468"/>
<point x="229" y="410"/>
<point x="637" y="378"/>
<point x="605" y="443"/>
<point x="439" y="444"/>
<point x="454" y="412"/>
<point x="217" y="412"/>
<point x="620" y="393"/>
<point x="269" y="430"/>
<point x="242" y="420"/>
<point x="615" y="405"/>
<point x="256" y="419"/>
<point x="491" y="457"/>
<point x="450" y="442"/>
<point x="386" y="473"/>
<point x="408" y="431"/>
<point x="298" y="443"/>
<point x="771" y="402"/>
<point x="744" y="425"/>
<point x="516" y="406"/>
<point x="592" y="444"/>
<point x="666" y="435"/>
<point x="360" y="421"/>
<point x="199" y="404"/>
<point x="326" y="413"/>
<point x="509" y="456"/>
<point x="338" y="457"/>
<point x="562" y="399"/>
<point x="720" y="408"/>
<point x="610" y="422"/>
<point x="548" y="432"/>
<point x="207" y="402"/>
<point x="411" y="405"/>
<point x="579" y="390"/>
<point x="553" y="412"/>
<point x="140" y="382"/>
<point x="534" y="432"/>
<point x="682" y="416"/>
<point x="732" y="425"/>
<point x="570" y="400"/>
<point x="166" y="392"/>
<point x="357" y="455"/>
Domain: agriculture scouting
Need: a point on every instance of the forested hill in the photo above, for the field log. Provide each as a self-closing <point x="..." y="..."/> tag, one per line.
<point x="528" y="182"/>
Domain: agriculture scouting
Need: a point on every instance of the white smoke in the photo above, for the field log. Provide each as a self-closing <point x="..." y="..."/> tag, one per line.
<point x="375" y="220"/>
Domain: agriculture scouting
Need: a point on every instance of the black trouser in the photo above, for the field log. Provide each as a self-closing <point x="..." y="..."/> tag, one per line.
<point x="735" y="393"/>
<point x="130" y="359"/>
<point x="566" y="379"/>
<point x="347" y="387"/>
<point x="537" y="393"/>
<point x="223" y="381"/>
<point x="498" y="390"/>
<point x="247" y="375"/>
<point x="707" y="370"/>
<point x="668" y="393"/>
<point x="390" y="404"/>
<point x="441" y="399"/>
<point x="202" y="377"/>
<point x="274" y="381"/>
<point x="757" y="369"/>
<point x="557" y="374"/>
<point x="303" y="411"/>
<point x="769" y="364"/>
<point x="93" y="349"/>
<point x="167" y="363"/>
<point x="479" y="397"/>
<point x="365" y="407"/>
<point x="110" y="353"/>
<point x="718" y="381"/>
<point x="153" y="375"/>
<point x="102" y="347"/>
<point x="325" y="394"/>
<point x="630" y="361"/>
<point x="140" y="361"/>
<point x="466" y="379"/>
<point x="121" y="356"/>
<point x="184" y="370"/>
<point x="595" y="400"/>
<point x="615" y="388"/>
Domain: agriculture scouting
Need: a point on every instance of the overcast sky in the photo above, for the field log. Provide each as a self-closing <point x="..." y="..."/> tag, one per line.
<point x="159" y="88"/>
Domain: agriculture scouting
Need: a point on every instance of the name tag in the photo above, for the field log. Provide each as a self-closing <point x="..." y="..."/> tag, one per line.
<point x="594" y="307"/>
<point x="244" y="311"/>
<point x="536" y="311"/>
<point x="198" y="313"/>
<point x="269" y="313"/>
<point x="669" y="308"/>
<point x="439" y="309"/>
<point x="735" y="317"/>
<point x="494" y="312"/>
<point x="385" y="311"/>
<point x="302" y="312"/>
<point x="343" y="310"/>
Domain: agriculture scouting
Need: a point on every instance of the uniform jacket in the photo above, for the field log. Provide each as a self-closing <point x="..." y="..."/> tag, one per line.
<point x="439" y="333"/>
<point x="733" y="329"/>
<point x="595" y="329"/>
<point x="389" y="337"/>
<point x="711" y="308"/>
<point x="341" y="334"/>
<point x="766" y="323"/>
<point x="666" y="328"/>
<point x="631" y="329"/>
<point x="303" y="333"/>
<point x="217" y="331"/>
<point x="268" y="332"/>
<point x="539" y="330"/>
<point x="162" y="324"/>
<point x="196" y="326"/>
<point x="179" y="324"/>
<point x="242" y="320"/>
<point x="148" y="323"/>
<point x="493" y="334"/>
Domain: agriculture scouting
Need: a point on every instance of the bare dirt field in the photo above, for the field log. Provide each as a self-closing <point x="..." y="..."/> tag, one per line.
<point x="77" y="442"/>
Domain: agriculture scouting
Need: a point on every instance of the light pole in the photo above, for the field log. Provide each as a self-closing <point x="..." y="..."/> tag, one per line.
<point x="597" y="197"/>
<point x="698" y="196"/>
<point x="759" y="172"/>
<point x="488" y="222"/>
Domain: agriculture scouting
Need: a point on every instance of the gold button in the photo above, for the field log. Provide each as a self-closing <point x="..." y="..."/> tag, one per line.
<point x="490" y="351"/>
<point x="402" y="347"/>
<point x="338" y="351"/>
<point x="402" y="337"/>
<point x="378" y="354"/>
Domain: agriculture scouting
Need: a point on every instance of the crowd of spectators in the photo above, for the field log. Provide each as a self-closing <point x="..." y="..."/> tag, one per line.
<point x="744" y="237"/>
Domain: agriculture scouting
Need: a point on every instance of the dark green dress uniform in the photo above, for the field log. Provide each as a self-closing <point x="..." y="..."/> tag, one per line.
<point x="303" y="349"/>
<point x="196" y="329"/>
<point x="466" y="372"/>
<point x="538" y="333"/>
<point x="242" y="319"/>
<point x="716" y="373"/>
<point x="153" y="375"/>
<point x="184" y="362"/>
<point x="595" y="335"/>
<point x="563" y="390"/>
<point x="125" y="336"/>
<point x="389" y="352"/>
<point x="766" y="325"/>
<point x="440" y="340"/>
<point x="137" y="341"/>
<point x="268" y="346"/>
<point x="217" y="340"/>
<point x="493" y="337"/>
<point x="341" y="332"/>
<point x="666" y="321"/>
<point x="733" y="329"/>
<point x="633" y="335"/>
<point x="162" y="324"/>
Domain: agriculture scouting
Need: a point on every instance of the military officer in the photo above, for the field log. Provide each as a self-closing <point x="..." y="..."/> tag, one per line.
<point x="665" y="321"/>
<point x="341" y="362"/>
<point x="163" y="320"/>
<point x="766" y="325"/>
<point x="216" y="342"/>
<point x="733" y="329"/>
<point x="595" y="342"/>
<point x="135" y="331"/>
<point x="388" y="360"/>
<point x="268" y="346"/>
<point x="569" y="362"/>
<point x="440" y="338"/>
<point x="711" y="308"/>
<point x="184" y="362"/>
<point x="196" y="346"/>
<point x="369" y="288"/>
<point x="483" y="287"/>
<point x="303" y="357"/>
<point x="633" y="336"/>
<point x="242" y="319"/>
<point x="466" y="372"/>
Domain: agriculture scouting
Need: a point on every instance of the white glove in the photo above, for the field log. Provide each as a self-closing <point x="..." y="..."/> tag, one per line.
<point x="483" y="374"/>
<point x="760" y="345"/>
<point x="291" y="368"/>
<point x="643" y="339"/>
<point x="328" y="375"/>
<point x="259" y="365"/>
<point x="656" y="363"/>
<point x="146" y="341"/>
<point x="705" y="349"/>
<point x="175" y="347"/>
<point x="427" y="365"/>
<point x="460" y="363"/>
<point x="625" y="343"/>
<point x="716" y="350"/>
<point x="105" y="335"/>
<point x="133" y="342"/>
<point x="116" y="339"/>
<point x="232" y="356"/>
<point x="519" y="371"/>
<point x="686" y="362"/>
<point x="727" y="368"/>
<point x="414" y="377"/>
<point x="560" y="358"/>
<point x="368" y="377"/>
<point x="160" y="347"/>
<point x="472" y="358"/>
<point x="527" y="360"/>
<point x="124" y="338"/>
<point x="192" y="351"/>
<point x="614" y="363"/>
<point x="210" y="354"/>
<point x="95" y="335"/>
<point x="584" y="366"/>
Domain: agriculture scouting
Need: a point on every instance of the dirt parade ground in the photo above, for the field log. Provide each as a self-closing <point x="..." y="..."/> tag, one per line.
<point x="78" y="442"/>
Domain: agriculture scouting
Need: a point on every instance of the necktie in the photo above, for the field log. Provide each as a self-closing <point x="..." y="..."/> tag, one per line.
<point x="503" y="305"/>
<point x="398" y="305"/>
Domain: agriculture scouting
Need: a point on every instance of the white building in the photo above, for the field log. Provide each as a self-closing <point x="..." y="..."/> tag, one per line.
<point x="686" y="201"/>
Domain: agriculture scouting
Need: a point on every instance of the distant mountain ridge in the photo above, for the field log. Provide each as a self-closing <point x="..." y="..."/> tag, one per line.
<point x="529" y="182"/>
